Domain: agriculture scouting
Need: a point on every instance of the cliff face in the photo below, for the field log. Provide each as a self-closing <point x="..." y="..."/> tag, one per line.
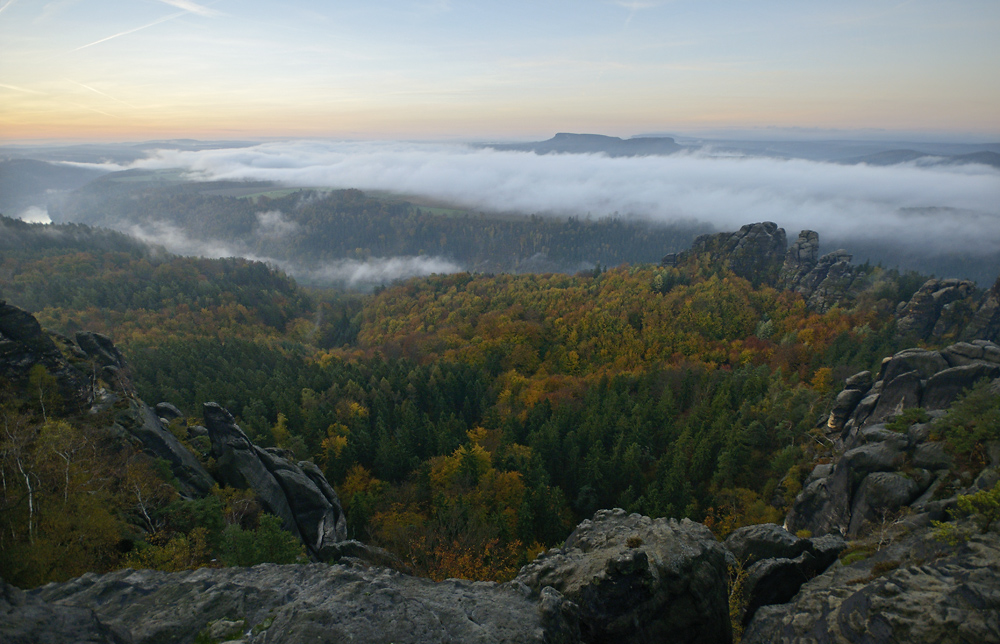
<point x="92" y="377"/>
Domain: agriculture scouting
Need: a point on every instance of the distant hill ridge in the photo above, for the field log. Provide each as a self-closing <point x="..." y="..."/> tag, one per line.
<point x="569" y="143"/>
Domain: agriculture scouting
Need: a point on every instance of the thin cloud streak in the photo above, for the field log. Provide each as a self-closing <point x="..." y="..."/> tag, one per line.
<point x="97" y="91"/>
<point x="192" y="7"/>
<point x="131" y="31"/>
<point x="351" y="272"/>
<point x="21" y="89"/>
<point x="937" y="208"/>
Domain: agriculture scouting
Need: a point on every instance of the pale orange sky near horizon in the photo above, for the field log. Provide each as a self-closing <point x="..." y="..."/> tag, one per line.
<point x="446" y="69"/>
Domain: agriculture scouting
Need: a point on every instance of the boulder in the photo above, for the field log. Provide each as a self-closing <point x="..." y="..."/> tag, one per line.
<point x="26" y="619"/>
<point x="844" y="405"/>
<point x="944" y="387"/>
<point x="167" y="411"/>
<point x="880" y="495"/>
<point x="932" y="456"/>
<point x="898" y="394"/>
<point x="754" y="543"/>
<point x="918" y="590"/>
<point x="636" y="579"/>
<point x="315" y="603"/>
<point x="775" y="581"/>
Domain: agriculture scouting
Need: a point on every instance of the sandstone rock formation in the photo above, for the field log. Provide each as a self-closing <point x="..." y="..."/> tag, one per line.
<point x="27" y="619"/>
<point x="312" y="603"/>
<point x="23" y="344"/>
<point x="777" y="562"/>
<point x="297" y="493"/>
<point x="937" y="307"/>
<point x="917" y="589"/>
<point x="754" y="252"/>
<point x="637" y="579"/>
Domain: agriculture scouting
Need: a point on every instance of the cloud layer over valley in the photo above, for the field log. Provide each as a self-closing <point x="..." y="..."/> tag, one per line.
<point x="933" y="208"/>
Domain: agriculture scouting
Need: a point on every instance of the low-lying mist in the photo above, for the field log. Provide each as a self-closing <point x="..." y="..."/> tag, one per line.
<point x="353" y="273"/>
<point x="937" y="209"/>
<point x="939" y="219"/>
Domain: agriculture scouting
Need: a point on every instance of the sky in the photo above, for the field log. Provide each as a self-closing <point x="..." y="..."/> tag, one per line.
<point x="460" y="70"/>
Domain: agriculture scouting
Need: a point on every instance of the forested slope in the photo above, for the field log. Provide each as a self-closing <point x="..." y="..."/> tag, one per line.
<point x="468" y="421"/>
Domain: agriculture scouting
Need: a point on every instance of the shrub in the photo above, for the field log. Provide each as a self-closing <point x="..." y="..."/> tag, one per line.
<point x="268" y="543"/>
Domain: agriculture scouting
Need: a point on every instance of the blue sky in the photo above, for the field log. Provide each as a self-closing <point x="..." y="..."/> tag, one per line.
<point x="450" y="69"/>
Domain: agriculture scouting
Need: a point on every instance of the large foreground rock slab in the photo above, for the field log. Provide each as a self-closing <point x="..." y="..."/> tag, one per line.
<point x="29" y="620"/>
<point x="637" y="579"/>
<point x="315" y="603"/>
<point x="914" y="592"/>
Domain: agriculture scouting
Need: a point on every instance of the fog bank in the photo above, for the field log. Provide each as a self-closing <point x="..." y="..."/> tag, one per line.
<point x="936" y="209"/>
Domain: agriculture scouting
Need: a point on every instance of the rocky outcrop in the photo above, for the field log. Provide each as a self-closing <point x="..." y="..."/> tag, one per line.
<point x="938" y="307"/>
<point x="917" y="589"/>
<point x="913" y="378"/>
<point x="879" y="472"/>
<point x="27" y="619"/>
<point x="636" y="579"/>
<point x="823" y="281"/>
<point x="23" y="344"/>
<point x="296" y="493"/>
<point x="755" y="252"/>
<point x="142" y="423"/>
<point x="777" y="562"/>
<point x="313" y="603"/>
<point x="985" y="322"/>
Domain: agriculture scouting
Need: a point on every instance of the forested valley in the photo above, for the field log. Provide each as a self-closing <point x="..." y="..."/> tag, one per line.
<point x="467" y="421"/>
<point x="311" y="227"/>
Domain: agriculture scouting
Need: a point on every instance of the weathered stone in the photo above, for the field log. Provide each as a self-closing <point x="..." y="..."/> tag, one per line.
<point x="755" y="252"/>
<point x="962" y="353"/>
<point x="926" y="592"/>
<point x="861" y="381"/>
<point x="25" y="619"/>
<point x="897" y="395"/>
<point x="923" y="311"/>
<point x="925" y="363"/>
<point x="944" y="387"/>
<point x="754" y="543"/>
<point x="23" y="345"/>
<point x="143" y="423"/>
<point x="237" y="465"/>
<point x="297" y="493"/>
<point x="880" y="495"/>
<point x="316" y="603"/>
<point x="637" y="579"/>
<point x="775" y="581"/>
<point x="843" y="407"/>
<point x="167" y="411"/>
<point x="101" y="349"/>
<point x="932" y="456"/>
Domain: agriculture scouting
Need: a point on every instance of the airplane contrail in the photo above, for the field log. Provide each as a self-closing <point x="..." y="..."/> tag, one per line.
<point x="131" y="31"/>
<point x="4" y="8"/>
<point x="97" y="91"/>
<point x="21" y="89"/>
